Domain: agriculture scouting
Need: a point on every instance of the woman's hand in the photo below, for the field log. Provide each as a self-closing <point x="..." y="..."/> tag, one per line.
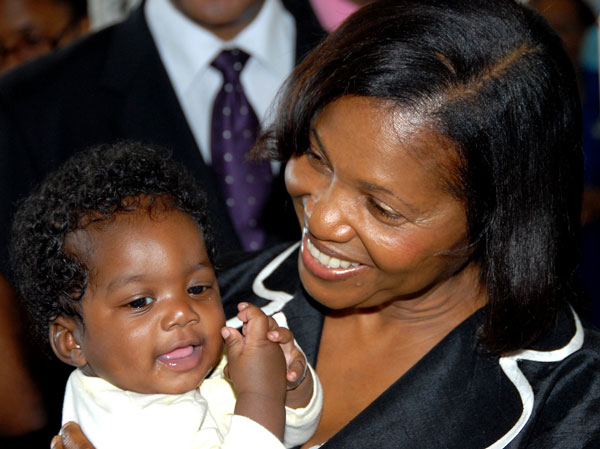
<point x="298" y="376"/>
<point x="72" y="438"/>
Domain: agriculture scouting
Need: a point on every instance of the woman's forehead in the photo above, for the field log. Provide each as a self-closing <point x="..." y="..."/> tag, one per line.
<point x="376" y="122"/>
<point x="380" y="144"/>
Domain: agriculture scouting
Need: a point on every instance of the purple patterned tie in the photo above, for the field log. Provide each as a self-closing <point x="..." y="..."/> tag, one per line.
<point x="245" y="184"/>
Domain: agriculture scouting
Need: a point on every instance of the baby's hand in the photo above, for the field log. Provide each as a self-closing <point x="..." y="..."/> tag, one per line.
<point x="256" y="366"/>
<point x="254" y="362"/>
<point x="298" y="376"/>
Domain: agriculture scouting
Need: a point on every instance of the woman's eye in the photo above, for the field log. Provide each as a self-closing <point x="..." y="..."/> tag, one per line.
<point x="197" y="289"/>
<point x="316" y="161"/>
<point x="140" y="303"/>
<point x="384" y="211"/>
<point x="313" y="156"/>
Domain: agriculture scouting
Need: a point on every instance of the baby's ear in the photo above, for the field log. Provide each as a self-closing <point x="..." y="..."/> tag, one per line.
<point x="63" y="340"/>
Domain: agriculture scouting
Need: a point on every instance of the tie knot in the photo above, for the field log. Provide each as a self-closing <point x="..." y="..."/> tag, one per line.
<point x="231" y="63"/>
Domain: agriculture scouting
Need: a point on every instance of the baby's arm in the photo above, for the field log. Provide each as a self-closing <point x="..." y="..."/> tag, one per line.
<point x="257" y="368"/>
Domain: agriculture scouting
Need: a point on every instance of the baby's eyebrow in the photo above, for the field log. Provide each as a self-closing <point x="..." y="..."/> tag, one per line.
<point x="122" y="281"/>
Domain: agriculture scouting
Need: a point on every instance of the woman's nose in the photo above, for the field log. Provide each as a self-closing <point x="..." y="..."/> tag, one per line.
<point x="328" y="213"/>
<point x="320" y="200"/>
<point x="178" y="312"/>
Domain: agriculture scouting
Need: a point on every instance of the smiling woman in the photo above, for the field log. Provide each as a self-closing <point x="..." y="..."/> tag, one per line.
<point x="434" y="160"/>
<point x="434" y="104"/>
<point x="401" y="229"/>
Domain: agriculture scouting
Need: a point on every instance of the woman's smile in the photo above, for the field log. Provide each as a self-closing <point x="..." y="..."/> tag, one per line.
<point x="327" y="266"/>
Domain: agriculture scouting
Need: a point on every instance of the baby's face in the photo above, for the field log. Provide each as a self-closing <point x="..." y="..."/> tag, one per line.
<point x="152" y="313"/>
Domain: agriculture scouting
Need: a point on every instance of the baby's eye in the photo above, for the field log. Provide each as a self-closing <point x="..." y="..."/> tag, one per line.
<point x="197" y="289"/>
<point x="140" y="303"/>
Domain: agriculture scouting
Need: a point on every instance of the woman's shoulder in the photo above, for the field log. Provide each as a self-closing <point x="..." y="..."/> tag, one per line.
<point x="565" y="385"/>
<point x="570" y="342"/>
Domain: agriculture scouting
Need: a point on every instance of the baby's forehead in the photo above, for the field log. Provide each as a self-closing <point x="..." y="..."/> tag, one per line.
<point x="135" y="239"/>
<point x="95" y="226"/>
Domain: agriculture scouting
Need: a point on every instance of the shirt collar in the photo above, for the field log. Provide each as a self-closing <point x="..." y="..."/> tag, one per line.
<point x="186" y="48"/>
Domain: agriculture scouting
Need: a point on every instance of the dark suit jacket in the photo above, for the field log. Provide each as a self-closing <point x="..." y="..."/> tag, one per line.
<point x="457" y="396"/>
<point x="109" y="86"/>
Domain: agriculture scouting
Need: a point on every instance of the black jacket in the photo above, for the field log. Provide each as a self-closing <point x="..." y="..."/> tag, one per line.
<point x="457" y="396"/>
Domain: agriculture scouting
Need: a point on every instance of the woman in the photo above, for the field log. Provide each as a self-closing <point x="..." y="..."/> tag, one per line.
<point x="434" y="159"/>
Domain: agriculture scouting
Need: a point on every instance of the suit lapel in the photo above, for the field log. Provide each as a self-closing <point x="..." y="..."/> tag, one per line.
<point x="445" y="400"/>
<point x="455" y="396"/>
<point x="147" y="109"/>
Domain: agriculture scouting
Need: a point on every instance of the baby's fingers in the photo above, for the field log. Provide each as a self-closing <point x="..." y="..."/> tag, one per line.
<point x="233" y="341"/>
<point x="256" y="323"/>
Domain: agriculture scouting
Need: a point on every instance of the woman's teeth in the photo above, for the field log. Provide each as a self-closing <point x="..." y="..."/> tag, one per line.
<point x="328" y="261"/>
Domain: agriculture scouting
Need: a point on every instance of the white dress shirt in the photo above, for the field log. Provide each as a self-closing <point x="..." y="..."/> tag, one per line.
<point x="187" y="51"/>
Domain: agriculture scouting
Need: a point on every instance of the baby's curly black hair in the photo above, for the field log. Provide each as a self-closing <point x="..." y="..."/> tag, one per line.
<point x="91" y="186"/>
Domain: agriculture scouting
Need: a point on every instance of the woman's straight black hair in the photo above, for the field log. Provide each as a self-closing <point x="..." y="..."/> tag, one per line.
<point x="492" y="77"/>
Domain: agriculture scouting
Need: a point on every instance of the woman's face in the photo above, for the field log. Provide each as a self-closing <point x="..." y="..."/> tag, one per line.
<point x="378" y="221"/>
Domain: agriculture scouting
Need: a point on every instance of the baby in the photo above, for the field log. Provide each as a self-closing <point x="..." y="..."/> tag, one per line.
<point x="112" y="258"/>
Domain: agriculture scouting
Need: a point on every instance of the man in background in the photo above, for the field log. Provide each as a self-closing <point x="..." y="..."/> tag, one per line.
<point x="152" y="78"/>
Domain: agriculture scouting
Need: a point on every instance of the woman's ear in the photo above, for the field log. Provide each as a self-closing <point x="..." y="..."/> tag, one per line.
<point x="64" y="334"/>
